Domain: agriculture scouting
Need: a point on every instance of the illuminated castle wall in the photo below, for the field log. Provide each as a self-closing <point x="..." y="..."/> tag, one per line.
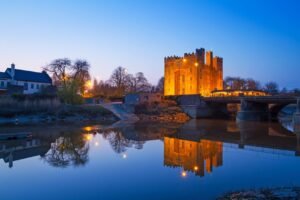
<point x="194" y="73"/>
<point x="197" y="157"/>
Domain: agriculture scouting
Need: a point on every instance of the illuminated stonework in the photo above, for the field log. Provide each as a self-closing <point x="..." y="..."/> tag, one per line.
<point x="198" y="157"/>
<point x="190" y="74"/>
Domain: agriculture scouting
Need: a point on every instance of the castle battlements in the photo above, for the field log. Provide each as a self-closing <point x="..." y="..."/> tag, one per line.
<point x="170" y="58"/>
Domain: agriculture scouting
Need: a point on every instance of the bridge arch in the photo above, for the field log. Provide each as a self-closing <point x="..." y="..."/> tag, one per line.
<point x="274" y="109"/>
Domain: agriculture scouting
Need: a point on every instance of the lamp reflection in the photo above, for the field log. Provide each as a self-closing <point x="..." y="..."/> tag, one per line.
<point x="197" y="157"/>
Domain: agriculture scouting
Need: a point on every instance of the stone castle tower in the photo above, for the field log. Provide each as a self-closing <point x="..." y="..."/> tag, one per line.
<point x="194" y="73"/>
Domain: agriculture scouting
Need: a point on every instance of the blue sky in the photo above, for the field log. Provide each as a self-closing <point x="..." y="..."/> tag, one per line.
<point x="258" y="38"/>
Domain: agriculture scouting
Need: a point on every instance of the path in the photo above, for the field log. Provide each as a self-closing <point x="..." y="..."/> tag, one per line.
<point x="119" y="109"/>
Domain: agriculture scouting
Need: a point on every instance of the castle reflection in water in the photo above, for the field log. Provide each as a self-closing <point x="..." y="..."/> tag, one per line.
<point x="196" y="147"/>
<point x="197" y="157"/>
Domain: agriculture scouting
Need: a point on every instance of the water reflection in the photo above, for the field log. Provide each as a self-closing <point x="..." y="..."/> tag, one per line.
<point x="196" y="157"/>
<point x="196" y="147"/>
<point x="67" y="151"/>
<point x="11" y="151"/>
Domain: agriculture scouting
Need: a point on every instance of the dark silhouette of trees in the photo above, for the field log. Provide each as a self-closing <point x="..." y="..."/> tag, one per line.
<point x="66" y="151"/>
<point x="80" y="73"/>
<point x="138" y="83"/>
<point x="160" y="85"/>
<point x="59" y="68"/>
<point x="69" y="78"/>
<point x="271" y="87"/>
<point x="120" y="83"/>
<point x="237" y="83"/>
<point x="119" y="80"/>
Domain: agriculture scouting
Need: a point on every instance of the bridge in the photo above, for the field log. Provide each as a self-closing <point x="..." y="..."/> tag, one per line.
<point x="251" y="108"/>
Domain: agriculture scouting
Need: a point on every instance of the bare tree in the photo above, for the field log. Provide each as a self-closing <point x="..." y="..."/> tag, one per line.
<point x="271" y="87"/>
<point x="59" y="70"/>
<point x="80" y="73"/>
<point x="252" y="84"/>
<point x="160" y="85"/>
<point x="81" y="70"/>
<point x="138" y="83"/>
<point x="119" y="79"/>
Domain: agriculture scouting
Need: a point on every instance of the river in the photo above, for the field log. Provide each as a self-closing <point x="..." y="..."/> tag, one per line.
<point x="202" y="159"/>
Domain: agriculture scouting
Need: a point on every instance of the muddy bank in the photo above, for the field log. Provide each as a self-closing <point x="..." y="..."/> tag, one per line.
<point x="162" y="112"/>
<point x="65" y="113"/>
<point x="264" y="194"/>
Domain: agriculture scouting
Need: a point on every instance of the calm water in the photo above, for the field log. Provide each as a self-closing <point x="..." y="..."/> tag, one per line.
<point x="199" y="160"/>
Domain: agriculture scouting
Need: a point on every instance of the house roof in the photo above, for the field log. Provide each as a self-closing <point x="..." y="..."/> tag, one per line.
<point x="23" y="75"/>
<point x="4" y="75"/>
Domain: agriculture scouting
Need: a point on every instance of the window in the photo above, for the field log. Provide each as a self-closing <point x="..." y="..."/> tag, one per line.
<point x="37" y="86"/>
<point x="2" y="84"/>
<point x="25" y="86"/>
<point x="32" y="85"/>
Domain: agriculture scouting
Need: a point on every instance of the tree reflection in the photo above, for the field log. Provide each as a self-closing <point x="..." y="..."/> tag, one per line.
<point x="119" y="143"/>
<point x="66" y="151"/>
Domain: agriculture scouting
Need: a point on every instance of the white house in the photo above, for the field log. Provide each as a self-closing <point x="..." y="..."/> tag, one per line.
<point x="30" y="82"/>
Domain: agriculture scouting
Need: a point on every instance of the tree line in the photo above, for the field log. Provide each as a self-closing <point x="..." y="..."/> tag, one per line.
<point x="121" y="82"/>
<point x="238" y="83"/>
<point x="73" y="80"/>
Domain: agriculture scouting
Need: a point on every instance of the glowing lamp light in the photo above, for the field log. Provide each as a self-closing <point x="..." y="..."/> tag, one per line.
<point x="124" y="156"/>
<point x="89" y="84"/>
<point x="196" y="168"/>
<point x="183" y="174"/>
<point x="88" y="137"/>
<point x="96" y="144"/>
<point x="196" y="64"/>
<point x="184" y="60"/>
<point x="87" y="128"/>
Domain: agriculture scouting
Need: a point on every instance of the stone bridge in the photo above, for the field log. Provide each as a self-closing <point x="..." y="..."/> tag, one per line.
<point x="256" y="108"/>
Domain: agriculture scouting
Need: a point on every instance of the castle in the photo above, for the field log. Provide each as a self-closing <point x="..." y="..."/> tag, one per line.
<point x="191" y="74"/>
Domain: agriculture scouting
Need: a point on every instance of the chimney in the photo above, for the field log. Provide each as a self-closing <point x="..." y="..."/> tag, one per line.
<point x="12" y="71"/>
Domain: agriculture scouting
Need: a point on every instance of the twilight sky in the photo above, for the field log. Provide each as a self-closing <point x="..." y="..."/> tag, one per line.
<point x="257" y="38"/>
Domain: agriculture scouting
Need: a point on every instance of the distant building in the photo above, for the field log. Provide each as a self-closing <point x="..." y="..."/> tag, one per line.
<point x="194" y="73"/>
<point x="30" y="82"/>
<point x="140" y="98"/>
<point x="238" y="93"/>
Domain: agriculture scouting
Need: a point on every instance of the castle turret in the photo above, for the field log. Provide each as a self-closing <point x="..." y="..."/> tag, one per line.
<point x="209" y="58"/>
<point x="200" y="55"/>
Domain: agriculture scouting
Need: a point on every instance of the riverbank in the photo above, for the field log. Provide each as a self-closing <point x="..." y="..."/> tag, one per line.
<point x="164" y="112"/>
<point x="262" y="194"/>
<point x="61" y="113"/>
